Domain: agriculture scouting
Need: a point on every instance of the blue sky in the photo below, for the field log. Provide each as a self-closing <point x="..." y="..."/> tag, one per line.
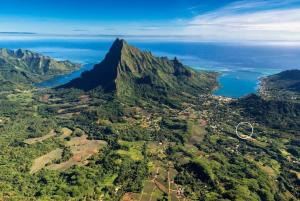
<point x="106" y="10"/>
<point x="201" y="19"/>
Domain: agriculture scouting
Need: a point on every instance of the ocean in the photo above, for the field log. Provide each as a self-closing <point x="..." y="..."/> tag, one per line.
<point x="240" y="64"/>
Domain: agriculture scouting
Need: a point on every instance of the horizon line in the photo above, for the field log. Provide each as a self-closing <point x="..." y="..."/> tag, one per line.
<point x="13" y="35"/>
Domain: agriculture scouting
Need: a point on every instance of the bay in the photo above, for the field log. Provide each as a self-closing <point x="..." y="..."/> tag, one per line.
<point x="240" y="64"/>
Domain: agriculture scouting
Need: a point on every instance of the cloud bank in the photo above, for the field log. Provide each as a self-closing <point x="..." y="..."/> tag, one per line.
<point x="244" y="20"/>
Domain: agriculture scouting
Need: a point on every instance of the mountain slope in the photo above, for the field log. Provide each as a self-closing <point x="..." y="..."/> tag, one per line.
<point x="277" y="114"/>
<point x="26" y="67"/>
<point x="282" y="86"/>
<point x="129" y="72"/>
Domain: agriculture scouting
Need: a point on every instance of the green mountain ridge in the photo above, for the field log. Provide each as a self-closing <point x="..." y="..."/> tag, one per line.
<point x="128" y="71"/>
<point x="282" y="86"/>
<point x="27" y="67"/>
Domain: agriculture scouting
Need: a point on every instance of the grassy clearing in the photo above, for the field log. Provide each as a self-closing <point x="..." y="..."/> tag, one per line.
<point x="197" y="132"/>
<point x="23" y="98"/>
<point x="133" y="154"/>
<point x="156" y="194"/>
<point x="148" y="187"/>
<point x="31" y="141"/>
<point x="76" y="141"/>
<point x="257" y="142"/>
<point x="272" y="170"/>
<point x="68" y="115"/>
<point x="82" y="149"/>
<point x="65" y="132"/>
<point x="147" y="192"/>
<point x="109" y="180"/>
<point x="134" y="150"/>
<point x="156" y="149"/>
<point x="192" y="150"/>
<point x="42" y="161"/>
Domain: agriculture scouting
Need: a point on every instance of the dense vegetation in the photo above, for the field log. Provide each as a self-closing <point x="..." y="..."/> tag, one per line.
<point x="282" y="115"/>
<point x="163" y="145"/>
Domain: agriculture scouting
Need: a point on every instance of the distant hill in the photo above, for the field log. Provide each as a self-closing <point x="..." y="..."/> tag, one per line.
<point x="26" y="67"/>
<point x="130" y="73"/>
<point x="282" y="86"/>
<point x="277" y="114"/>
<point x="278" y="102"/>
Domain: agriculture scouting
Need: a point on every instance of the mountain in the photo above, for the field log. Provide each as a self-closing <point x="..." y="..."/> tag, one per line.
<point x="129" y="72"/>
<point x="26" y="67"/>
<point x="282" y="86"/>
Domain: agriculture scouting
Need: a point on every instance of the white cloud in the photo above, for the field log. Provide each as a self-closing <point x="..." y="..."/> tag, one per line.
<point x="262" y="20"/>
<point x="244" y="20"/>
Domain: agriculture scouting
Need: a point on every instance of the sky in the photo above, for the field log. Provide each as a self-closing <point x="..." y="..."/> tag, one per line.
<point x="220" y="20"/>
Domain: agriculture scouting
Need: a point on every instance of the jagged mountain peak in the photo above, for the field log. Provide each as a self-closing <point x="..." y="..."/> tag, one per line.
<point x="122" y="51"/>
<point x="129" y="71"/>
<point x="118" y="44"/>
<point x="19" y="53"/>
<point x="117" y="50"/>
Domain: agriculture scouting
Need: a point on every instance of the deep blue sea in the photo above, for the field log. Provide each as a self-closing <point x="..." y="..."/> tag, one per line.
<point x="241" y="65"/>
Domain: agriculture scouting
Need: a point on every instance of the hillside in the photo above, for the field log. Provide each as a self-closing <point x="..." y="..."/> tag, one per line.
<point x="282" y="86"/>
<point x="130" y="72"/>
<point x="282" y="115"/>
<point x="26" y="67"/>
